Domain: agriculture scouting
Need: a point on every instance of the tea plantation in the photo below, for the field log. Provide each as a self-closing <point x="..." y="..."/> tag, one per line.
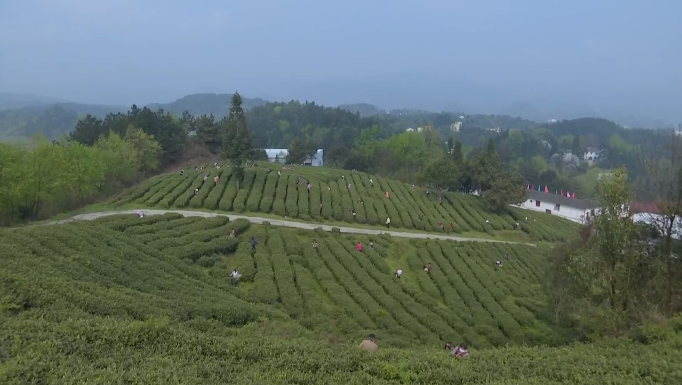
<point x="280" y="192"/>
<point x="149" y="300"/>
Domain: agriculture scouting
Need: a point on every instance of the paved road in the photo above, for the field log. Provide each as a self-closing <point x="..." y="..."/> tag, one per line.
<point x="278" y="222"/>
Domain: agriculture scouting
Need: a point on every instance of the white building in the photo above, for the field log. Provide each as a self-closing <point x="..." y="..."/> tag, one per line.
<point x="277" y="154"/>
<point x="317" y="160"/>
<point x="456" y="126"/>
<point x="591" y="154"/>
<point x="576" y="210"/>
<point x="280" y="154"/>
<point x="660" y="223"/>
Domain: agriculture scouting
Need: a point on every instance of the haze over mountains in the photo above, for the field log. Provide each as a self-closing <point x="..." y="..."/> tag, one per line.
<point x="539" y="60"/>
<point x="394" y="94"/>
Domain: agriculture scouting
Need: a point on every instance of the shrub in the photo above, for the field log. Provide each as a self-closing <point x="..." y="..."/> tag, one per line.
<point x="211" y="201"/>
<point x="253" y="200"/>
<point x="239" y="203"/>
<point x="229" y="194"/>
<point x="207" y="261"/>
<point x="269" y="191"/>
<point x="281" y="193"/>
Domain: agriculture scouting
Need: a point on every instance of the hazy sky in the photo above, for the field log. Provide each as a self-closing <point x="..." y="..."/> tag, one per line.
<point x="618" y="54"/>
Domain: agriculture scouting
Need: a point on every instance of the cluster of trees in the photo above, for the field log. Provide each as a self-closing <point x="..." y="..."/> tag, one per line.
<point x="483" y="171"/>
<point x="41" y="178"/>
<point x="535" y="150"/>
<point x="621" y="273"/>
<point x="379" y="144"/>
<point x="538" y="153"/>
<point x="169" y="132"/>
<point x="101" y="156"/>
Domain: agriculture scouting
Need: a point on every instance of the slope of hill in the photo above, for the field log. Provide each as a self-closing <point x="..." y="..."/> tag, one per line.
<point x="149" y="300"/>
<point x="11" y="101"/>
<point x="52" y="120"/>
<point x="364" y="109"/>
<point x="281" y="193"/>
<point x="205" y="104"/>
<point x="56" y="119"/>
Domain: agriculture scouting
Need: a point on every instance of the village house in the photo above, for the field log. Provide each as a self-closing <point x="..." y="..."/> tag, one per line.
<point x="592" y="154"/>
<point x="456" y="127"/>
<point x="650" y="215"/>
<point x="576" y="210"/>
<point x="279" y="155"/>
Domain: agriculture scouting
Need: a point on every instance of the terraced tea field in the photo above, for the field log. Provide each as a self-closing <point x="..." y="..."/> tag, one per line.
<point x="282" y="193"/>
<point x="124" y="299"/>
<point x="170" y="265"/>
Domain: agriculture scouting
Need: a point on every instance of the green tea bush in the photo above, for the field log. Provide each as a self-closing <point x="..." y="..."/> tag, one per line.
<point x="253" y="200"/>
<point x="216" y="194"/>
<point x="239" y="203"/>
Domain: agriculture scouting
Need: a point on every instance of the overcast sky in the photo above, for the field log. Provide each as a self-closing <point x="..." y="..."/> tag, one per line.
<point x="617" y="53"/>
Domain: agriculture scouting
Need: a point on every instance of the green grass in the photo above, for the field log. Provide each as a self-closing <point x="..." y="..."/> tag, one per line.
<point x="129" y="300"/>
<point x="263" y="192"/>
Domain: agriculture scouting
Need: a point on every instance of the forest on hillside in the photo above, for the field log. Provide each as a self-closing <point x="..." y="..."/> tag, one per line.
<point x="442" y="155"/>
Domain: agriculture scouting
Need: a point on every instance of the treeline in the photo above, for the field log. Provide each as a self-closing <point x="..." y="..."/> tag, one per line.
<point x="169" y="132"/>
<point x="42" y="178"/>
<point x="536" y="151"/>
<point x="621" y="273"/>
<point x="101" y="156"/>
<point x="379" y="144"/>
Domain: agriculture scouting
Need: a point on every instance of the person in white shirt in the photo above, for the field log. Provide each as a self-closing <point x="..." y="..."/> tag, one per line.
<point x="461" y="351"/>
<point x="399" y="273"/>
<point x="235" y="277"/>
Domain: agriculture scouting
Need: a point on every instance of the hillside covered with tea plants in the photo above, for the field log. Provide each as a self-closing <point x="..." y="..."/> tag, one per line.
<point x="269" y="188"/>
<point x="128" y="299"/>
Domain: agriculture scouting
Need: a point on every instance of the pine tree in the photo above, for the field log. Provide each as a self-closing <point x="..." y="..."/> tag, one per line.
<point x="577" y="147"/>
<point x="237" y="146"/>
<point x="458" y="154"/>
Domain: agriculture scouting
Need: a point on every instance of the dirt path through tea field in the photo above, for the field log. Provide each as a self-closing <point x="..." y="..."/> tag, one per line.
<point x="279" y="222"/>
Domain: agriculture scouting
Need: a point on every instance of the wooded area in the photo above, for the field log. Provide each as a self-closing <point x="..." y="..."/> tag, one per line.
<point x="472" y="158"/>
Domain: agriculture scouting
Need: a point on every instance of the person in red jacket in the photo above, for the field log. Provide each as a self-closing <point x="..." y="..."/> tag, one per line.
<point x="359" y="247"/>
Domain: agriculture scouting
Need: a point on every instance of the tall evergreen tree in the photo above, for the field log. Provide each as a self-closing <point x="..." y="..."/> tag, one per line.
<point x="577" y="147"/>
<point x="237" y="146"/>
<point x="458" y="154"/>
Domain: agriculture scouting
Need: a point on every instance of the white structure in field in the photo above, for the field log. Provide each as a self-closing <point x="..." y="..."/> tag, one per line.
<point x="660" y="223"/>
<point x="280" y="154"/>
<point x="576" y="210"/>
<point x="592" y="154"/>
<point x="277" y="154"/>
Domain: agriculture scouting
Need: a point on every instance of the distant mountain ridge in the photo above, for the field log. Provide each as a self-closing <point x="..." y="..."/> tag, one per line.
<point x="206" y="104"/>
<point x="43" y="114"/>
<point x="10" y="101"/>
<point x="53" y="119"/>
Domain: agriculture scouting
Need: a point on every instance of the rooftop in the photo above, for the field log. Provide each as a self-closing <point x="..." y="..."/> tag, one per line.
<point x="582" y="204"/>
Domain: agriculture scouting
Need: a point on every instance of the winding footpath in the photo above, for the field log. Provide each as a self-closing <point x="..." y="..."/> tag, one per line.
<point x="279" y="222"/>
